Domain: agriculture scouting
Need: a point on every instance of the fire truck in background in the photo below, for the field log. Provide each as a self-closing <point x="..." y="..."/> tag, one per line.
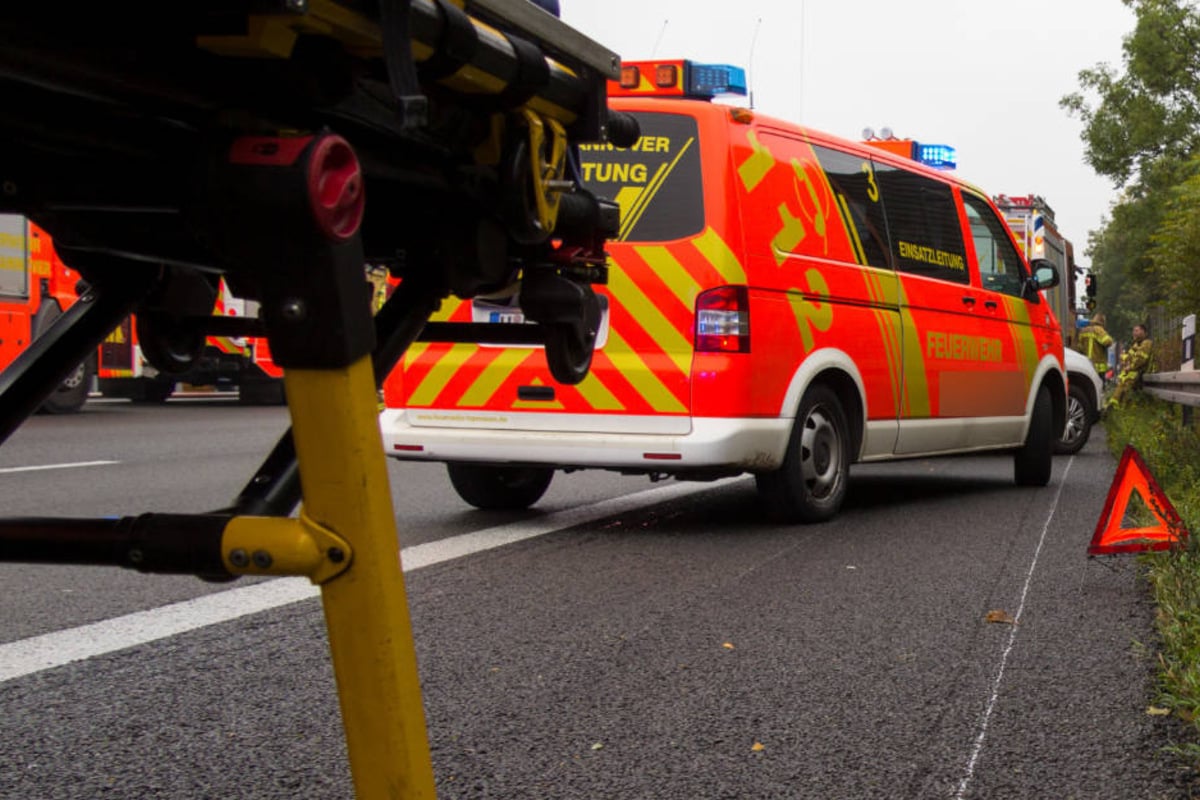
<point x="1031" y="220"/>
<point x="35" y="288"/>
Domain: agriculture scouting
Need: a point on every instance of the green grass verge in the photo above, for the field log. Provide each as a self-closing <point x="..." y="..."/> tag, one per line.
<point x="1172" y="454"/>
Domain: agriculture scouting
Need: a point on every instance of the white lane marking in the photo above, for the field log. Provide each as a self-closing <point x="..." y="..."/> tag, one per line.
<point x="27" y="656"/>
<point x="51" y="650"/>
<point x="70" y="465"/>
<point x="965" y="783"/>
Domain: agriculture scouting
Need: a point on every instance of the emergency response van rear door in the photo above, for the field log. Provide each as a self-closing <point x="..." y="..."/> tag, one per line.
<point x="640" y="373"/>
<point x="657" y="265"/>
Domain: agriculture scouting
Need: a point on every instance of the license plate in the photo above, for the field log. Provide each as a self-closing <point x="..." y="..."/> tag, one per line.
<point x="513" y="317"/>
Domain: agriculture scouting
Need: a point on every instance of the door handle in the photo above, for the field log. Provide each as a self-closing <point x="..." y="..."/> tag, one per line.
<point x="990" y="305"/>
<point x="968" y="300"/>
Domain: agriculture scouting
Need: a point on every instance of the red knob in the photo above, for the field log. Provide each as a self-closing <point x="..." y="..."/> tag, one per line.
<point x="335" y="188"/>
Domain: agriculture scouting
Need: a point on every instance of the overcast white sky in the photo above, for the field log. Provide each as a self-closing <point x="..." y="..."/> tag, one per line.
<point x="984" y="77"/>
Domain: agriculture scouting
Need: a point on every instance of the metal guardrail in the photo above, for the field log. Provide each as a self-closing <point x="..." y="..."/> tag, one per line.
<point x="1175" y="387"/>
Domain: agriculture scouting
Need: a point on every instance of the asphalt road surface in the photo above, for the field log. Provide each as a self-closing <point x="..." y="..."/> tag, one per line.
<point x="620" y="640"/>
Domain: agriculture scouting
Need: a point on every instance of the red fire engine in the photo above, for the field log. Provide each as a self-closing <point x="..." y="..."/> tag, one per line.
<point x="35" y="288"/>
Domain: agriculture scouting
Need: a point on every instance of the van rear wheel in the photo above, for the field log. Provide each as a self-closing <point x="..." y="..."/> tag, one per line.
<point x="1033" y="462"/>
<point x="497" y="488"/>
<point x="811" y="484"/>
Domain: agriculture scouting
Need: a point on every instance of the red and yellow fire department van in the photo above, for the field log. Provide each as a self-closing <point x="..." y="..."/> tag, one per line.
<point x="779" y="302"/>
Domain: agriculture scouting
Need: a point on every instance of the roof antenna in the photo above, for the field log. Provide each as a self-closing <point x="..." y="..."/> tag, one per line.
<point x="661" y="31"/>
<point x="750" y="80"/>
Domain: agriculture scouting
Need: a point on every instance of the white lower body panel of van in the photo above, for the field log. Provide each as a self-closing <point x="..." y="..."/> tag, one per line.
<point x="666" y="444"/>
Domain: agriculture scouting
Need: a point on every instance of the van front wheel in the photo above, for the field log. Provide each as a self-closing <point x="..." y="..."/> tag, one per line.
<point x="497" y="488"/>
<point x="1032" y="463"/>
<point x="811" y="484"/>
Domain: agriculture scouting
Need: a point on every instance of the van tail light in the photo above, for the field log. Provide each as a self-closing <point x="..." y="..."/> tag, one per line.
<point x="723" y="320"/>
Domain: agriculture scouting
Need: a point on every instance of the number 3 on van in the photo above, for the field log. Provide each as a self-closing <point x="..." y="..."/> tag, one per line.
<point x="780" y="302"/>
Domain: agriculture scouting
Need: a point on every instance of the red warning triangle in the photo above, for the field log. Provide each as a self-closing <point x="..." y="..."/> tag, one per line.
<point x="1132" y="475"/>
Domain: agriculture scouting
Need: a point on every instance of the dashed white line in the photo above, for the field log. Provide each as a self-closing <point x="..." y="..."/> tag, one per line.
<point x="27" y="656"/>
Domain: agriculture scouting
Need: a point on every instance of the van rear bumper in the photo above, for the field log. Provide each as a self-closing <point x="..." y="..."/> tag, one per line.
<point x="742" y="445"/>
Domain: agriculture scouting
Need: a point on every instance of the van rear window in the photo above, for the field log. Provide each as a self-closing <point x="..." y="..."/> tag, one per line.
<point x="657" y="182"/>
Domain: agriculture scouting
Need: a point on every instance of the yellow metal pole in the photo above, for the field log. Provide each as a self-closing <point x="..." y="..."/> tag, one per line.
<point x="343" y="474"/>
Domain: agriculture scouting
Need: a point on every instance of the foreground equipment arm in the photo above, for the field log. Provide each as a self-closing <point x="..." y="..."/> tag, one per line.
<point x="243" y="143"/>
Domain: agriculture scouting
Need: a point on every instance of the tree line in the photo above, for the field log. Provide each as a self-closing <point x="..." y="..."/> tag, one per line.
<point x="1141" y="129"/>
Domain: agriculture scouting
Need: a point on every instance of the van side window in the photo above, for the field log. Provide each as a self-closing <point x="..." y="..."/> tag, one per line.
<point x="1000" y="267"/>
<point x="853" y="181"/>
<point x="923" y="223"/>
<point x="656" y="182"/>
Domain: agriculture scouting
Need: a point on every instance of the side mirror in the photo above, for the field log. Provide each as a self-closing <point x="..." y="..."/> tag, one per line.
<point x="1045" y="273"/>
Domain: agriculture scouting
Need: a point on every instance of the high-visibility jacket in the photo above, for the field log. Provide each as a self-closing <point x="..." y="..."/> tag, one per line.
<point x="1094" y="342"/>
<point x="1136" y="360"/>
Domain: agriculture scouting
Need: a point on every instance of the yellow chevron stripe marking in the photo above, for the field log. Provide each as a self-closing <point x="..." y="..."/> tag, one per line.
<point x="672" y="273"/>
<point x="597" y="394"/>
<point x="414" y="352"/>
<point x="631" y="297"/>
<point x="757" y="165"/>
<point x="441" y="374"/>
<point x="493" y="375"/>
<point x="449" y="306"/>
<point x="640" y="376"/>
<point x="717" y="253"/>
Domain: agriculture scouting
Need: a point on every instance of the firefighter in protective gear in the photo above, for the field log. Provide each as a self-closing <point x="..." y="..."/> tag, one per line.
<point x="1135" y="361"/>
<point x="1094" y="342"/>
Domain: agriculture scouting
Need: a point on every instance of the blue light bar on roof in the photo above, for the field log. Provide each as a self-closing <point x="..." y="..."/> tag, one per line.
<point x="938" y="156"/>
<point x="710" y="80"/>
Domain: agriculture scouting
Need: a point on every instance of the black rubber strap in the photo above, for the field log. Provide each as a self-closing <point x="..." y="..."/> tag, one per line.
<point x="533" y="73"/>
<point x="397" y="53"/>
<point x="456" y="46"/>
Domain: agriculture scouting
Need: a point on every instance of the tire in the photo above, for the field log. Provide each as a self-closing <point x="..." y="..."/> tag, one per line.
<point x="811" y="483"/>
<point x="72" y="393"/>
<point x="1032" y="463"/>
<point x="1079" y="422"/>
<point x="495" y="488"/>
<point x="568" y="353"/>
